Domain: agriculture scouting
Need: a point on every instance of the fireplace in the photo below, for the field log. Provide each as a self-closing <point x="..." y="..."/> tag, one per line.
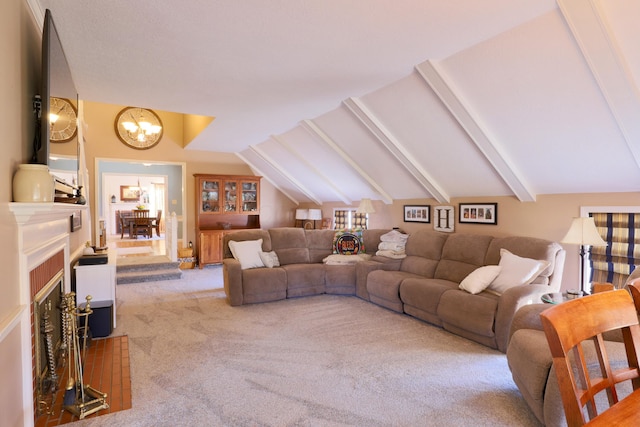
<point x="45" y="247"/>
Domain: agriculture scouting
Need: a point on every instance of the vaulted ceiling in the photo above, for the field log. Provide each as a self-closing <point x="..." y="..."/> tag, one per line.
<point x="338" y="100"/>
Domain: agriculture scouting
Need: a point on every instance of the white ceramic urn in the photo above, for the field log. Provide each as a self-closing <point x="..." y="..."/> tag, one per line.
<point x="33" y="184"/>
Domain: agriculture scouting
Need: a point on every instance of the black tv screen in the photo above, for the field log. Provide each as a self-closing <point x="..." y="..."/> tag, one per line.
<point x="57" y="81"/>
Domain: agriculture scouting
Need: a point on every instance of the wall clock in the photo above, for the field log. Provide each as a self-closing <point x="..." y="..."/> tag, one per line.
<point x="138" y="128"/>
<point x="63" y="120"/>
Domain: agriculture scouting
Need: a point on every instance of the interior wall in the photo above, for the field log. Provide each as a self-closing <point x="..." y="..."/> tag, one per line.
<point x="20" y="41"/>
<point x="549" y="217"/>
<point x="102" y="142"/>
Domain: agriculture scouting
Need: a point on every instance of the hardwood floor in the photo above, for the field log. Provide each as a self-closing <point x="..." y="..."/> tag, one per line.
<point x="106" y="369"/>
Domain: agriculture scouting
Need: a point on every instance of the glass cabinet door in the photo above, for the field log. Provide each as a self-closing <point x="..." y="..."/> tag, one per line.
<point x="230" y="196"/>
<point x="210" y="201"/>
<point x="249" y="195"/>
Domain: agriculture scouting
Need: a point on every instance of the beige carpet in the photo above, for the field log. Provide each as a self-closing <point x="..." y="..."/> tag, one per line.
<point x="315" y="361"/>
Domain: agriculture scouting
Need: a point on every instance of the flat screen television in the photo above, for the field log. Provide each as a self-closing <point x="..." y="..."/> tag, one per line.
<point x="57" y="82"/>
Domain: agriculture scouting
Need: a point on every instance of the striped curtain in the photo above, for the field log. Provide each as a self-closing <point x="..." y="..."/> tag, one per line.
<point x="340" y="219"/>
<point x="613" y="263"/>
<point x="347" y="219"/>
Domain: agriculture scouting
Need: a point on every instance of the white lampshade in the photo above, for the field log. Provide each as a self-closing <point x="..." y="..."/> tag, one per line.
<point x="302" y="213"/>
<point x="583" y="231"/>
<point x="315" y="214"/>
<point x="366" y="207"/>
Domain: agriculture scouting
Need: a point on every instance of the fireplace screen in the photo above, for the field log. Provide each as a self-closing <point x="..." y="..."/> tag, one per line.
<point x="48" y="335"/>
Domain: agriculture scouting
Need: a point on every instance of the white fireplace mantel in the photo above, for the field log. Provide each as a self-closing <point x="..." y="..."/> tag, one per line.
<point x="43" y="230"/>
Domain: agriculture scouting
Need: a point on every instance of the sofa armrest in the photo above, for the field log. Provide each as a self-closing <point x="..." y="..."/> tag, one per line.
<point x="365" y="267"/>
<point x="232" y="274"/>
<point x="510" y="302"/>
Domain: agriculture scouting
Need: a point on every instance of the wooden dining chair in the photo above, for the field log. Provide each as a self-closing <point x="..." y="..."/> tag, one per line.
<point x="141" y="222"/>
<point x="572" y="326"/>
<point x="156" y="223"/>
<point x="123" y="223"/>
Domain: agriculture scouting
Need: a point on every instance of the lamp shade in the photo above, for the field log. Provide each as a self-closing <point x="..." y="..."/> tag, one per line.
<point x="315" y="214"/>
<point x="583" y="231"/>
<point x="302" y="213"/>
<point x="366" y="207"/>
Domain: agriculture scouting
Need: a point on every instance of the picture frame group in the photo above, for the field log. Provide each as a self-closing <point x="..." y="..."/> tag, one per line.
<point x="417" y="213"/>
<point x="478" y="213"/>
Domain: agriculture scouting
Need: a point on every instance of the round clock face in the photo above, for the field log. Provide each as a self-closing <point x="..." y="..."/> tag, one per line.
<point x="138" y="128"/>
<point x="63" y="120"/>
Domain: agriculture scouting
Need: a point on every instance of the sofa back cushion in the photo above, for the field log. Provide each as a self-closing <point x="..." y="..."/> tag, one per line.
<point x="290" y="244"/>
<point x="423" y="249"/>
<point x="462" y="254"/>
<point x="371" y="239"/>
<point x="319" y="243"/>
<point x="526" y="247"/>
<point x="243" y="235"/>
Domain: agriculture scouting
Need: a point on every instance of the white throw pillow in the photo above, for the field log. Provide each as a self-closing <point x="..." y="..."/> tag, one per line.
<point x="269" y="259"/>
<point x="480" y="278"/>
<point x="516" y="271"/>
<point x="247" y="252"/>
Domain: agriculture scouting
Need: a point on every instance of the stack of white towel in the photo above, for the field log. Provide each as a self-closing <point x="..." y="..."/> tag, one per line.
<point x="392" y="245"/>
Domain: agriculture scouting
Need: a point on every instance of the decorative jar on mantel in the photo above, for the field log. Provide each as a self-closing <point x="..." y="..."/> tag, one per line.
<point x="33" y="183"/>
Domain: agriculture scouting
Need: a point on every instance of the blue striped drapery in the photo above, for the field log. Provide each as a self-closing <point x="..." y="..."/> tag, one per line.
<point x="613" y="263"/>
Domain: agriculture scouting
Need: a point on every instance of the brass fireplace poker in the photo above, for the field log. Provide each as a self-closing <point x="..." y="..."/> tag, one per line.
<point x="80" y="399"/>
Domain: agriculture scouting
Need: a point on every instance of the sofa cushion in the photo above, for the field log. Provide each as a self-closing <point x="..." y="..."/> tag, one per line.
<point x="384" y="288"/>
<point x="473" y="313"/>
<point x="304" y="279"/>
<point x="290" y="244"/>
<point x="516" y="271"/>
<point x="480" y="278"/>
<point x="424" y="294"/>
<point x="319" y="243"/>
<point x="340" y="279"/>
<point x="263" y="284"/>
<point x="247" y="252"/>
<point x="461" y="254"/>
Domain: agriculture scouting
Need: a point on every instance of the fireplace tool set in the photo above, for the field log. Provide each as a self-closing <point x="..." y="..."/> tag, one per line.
<point x="79" y="399"/>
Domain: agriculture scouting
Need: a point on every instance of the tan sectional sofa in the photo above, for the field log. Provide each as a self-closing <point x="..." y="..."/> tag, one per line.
<point x="425" y="284"/>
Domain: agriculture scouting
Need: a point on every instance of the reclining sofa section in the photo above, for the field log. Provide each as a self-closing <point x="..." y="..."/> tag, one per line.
<point x="424" y="284"/>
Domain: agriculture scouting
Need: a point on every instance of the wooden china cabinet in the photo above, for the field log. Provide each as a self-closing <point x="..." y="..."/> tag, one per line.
<point x="224" y="204"/>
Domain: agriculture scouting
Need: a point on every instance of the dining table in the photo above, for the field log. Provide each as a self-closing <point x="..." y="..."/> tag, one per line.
<point x="128" y="220"/>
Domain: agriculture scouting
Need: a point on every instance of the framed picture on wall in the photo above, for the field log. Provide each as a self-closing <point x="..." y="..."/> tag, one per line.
<point x="417" y="213"/>
<point x="129" y="193"/>
<point x="479" y="213"/>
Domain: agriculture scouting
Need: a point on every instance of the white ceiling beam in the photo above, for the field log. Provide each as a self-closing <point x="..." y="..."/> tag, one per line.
<point x="283" y="171"/>
<point x="391" y="143"/>
<point x="437" y="79"/>
<point x="309" y="165"/>
<point x="593" y="33"/>
<point x="315" y="130"/>
<point x="258" y="171"/>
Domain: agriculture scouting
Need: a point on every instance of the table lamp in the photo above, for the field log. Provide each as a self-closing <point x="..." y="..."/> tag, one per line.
<point x="583" y="232"/>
